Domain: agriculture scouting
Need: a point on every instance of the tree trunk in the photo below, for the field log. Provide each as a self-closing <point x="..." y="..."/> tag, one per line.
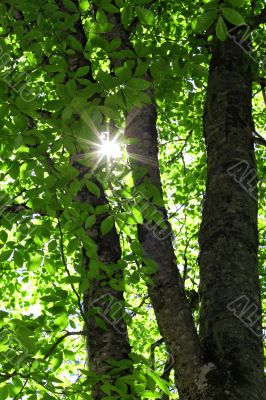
<point x="104" y="306"/>
<point x="230" y="318"/>
<point x="172" y="312"/>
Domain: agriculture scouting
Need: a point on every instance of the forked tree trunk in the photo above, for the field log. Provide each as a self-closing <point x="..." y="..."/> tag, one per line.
<point x="230" y="318"/>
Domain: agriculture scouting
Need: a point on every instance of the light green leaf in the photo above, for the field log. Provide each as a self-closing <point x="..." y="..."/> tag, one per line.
<point x="49" y="267"/>
<point x="204" y="21"/>
<point x="145" y="16"/>
<point x="221" y="29"/>
<point x="61" y="321"/>
<point x="232" y="16"/>
<point x="137" y="215"/>
<point x="151" y="266"/>
<point x="93" y="188"/>
<point x="148" y="394"/>
<point x="90" y="221"/>
<point x="101" y="209"/>
<point x="4" y="392"/>
<point x="159" y="382"/>
<point x="107" y="224"/>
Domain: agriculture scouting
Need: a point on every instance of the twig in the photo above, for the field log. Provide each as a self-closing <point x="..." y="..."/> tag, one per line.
<point x="63" y="257"/>
<point x="59" y="340"/>
<point x="259" y="139"/>
<point x="153" y="347"/>
<point x="22" y="389"/>
<point x="166" y="374"/>
<point x="263" y="92"/>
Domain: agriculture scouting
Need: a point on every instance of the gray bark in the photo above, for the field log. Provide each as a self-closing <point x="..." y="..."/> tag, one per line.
<point x="230" y="334"/>
<point x="172" y="312"/>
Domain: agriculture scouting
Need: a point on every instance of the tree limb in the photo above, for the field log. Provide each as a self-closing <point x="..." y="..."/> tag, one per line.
<point x="59" y="340"/>
<point x="259" y="139"/>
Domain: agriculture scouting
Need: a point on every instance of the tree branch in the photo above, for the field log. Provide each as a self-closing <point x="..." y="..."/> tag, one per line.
<point x="63" y="257"/>
<point x="259" y="139"/>
<point x="59" y="340"/>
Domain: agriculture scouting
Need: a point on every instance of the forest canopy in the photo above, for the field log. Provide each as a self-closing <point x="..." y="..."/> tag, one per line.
<point x="132" y="199"/>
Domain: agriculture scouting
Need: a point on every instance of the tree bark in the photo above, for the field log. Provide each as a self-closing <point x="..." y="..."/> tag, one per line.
<point x="230" y="317"/>
<point x="104" y="307"/>
<point x="172" y="312"/>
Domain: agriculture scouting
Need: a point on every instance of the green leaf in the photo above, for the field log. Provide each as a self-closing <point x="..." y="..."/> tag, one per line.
<point x="70" y="5"/>
<point x="204" y="21"/>
<point x="102" y="209"/>
<point x="137" y="215"/>
<point x="151" y="266"/>
<point x="18" y="259"/>
<point x="3" y="314"/>
<point x="52" y="245"/>
<point x="90" y="221"/>
<point x="100" y="322"/>
<point x="75" y="44"/>
<point x="232" y="16"/>
<point x="148" y="394"/>
<point x="49" y="267"/>
<point x="84" y="5"/>
<point x="93" y="188"/>
<point x="4" y="392"/>
<point x="221" y="29"/>
<point x="236" y="3"/>
<point x="61" y="321"/>
<point x="82" y="71"/>
<point x="145" y="16"/>
<point x="138" y="84"/>
<point x="127" y="15"/>
<point x="107" y="224"/>
<point x="107" y="6"/>
<point x="116" y="284"/>
<point x="159" y="382"/>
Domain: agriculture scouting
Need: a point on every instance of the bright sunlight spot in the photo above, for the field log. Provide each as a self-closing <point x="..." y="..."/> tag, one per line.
<point x="109" y="148"/>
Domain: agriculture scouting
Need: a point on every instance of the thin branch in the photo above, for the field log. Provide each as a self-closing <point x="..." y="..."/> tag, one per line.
<point x="59" y="340"/>
<point x="166" y="374"/>
<point x="259" y="139"/>
<point x="153" y="347"/>
<point x="22" y="389"/>
<point x="63" y="257"/>
<point x="262" y="85"/>
<point x="182" y="148"/>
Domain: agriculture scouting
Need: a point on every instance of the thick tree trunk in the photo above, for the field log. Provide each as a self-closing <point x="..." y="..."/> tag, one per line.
<point x="172" y="312"/>
<point x="230" y="320"/>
